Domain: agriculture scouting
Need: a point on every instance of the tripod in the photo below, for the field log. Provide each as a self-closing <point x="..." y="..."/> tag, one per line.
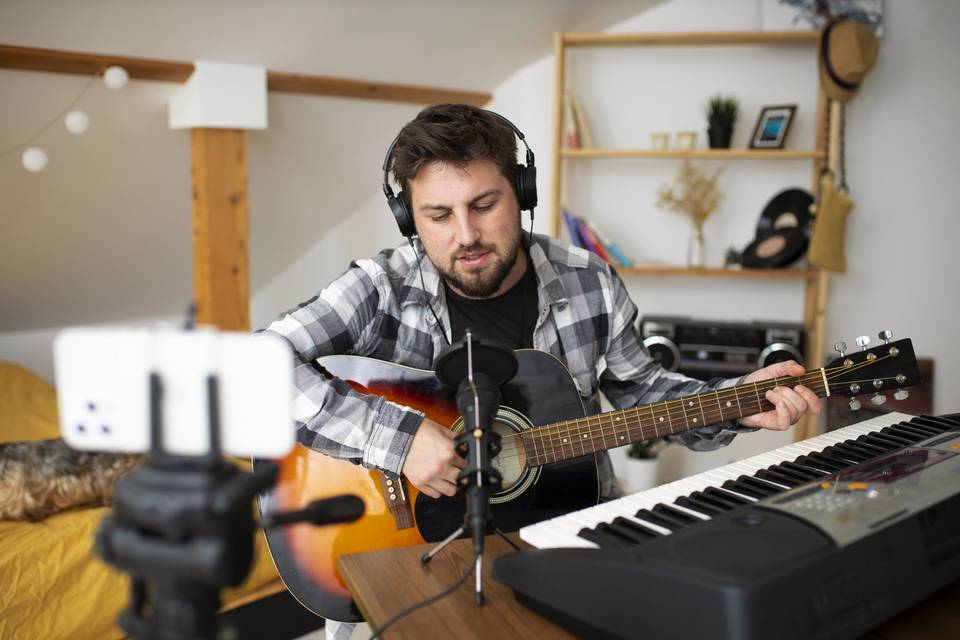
<point x="183" y="529"/>
<point x="478" y="398"/>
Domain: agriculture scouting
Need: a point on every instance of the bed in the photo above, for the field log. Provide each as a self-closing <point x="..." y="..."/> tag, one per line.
<point x="51" y="584"/>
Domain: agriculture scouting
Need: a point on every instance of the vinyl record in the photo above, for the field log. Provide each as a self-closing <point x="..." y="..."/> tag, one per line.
<point x="778" y="248"/>
<point x="789" y="209"/>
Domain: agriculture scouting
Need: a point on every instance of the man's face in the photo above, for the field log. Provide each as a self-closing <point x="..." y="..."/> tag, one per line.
<point x="468" y="220"/>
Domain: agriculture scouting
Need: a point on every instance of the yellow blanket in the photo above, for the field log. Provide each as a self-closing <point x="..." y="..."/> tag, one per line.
<point x="51" y="584"/>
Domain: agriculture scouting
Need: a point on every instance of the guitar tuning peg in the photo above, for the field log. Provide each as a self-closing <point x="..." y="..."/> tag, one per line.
<point x="901" y="394"/>
<point x="862" y="342"/>
<point x="840" y="347"/>
<point x="885" y="335"/>
<point x="855" y="404"/>
<point x="878" y="399"/>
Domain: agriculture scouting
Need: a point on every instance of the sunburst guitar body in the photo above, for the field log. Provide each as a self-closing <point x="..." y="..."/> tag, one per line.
<point x="397" y="515"/>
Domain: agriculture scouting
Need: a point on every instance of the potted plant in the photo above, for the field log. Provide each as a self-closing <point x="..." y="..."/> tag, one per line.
<point x="721" y="116"/>
<point x="642" y="464"/>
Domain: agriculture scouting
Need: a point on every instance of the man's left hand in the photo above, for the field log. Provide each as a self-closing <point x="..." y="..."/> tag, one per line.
<point x="789" y="403"/>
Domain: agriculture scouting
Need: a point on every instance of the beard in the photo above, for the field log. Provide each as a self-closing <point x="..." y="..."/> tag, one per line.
<point x="482" y="283"/>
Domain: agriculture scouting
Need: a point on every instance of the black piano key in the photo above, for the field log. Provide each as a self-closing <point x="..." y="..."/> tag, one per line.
<point x="849" y="454"/>
<point x="725" y="505"/>
<point x="880" y="440"/>
<point x="801" y="478"/>
<point x="779" y="478"/>
<point x="866" y="446"/>
<point x="939" y="425"/>
<point x="675" y="513"/>
<point x="720" y="494"/>
<point x="605" y="541"/>
<point x="761" y="485"/>
<point x="705" y="509"/>
<point x="648" y="516"/>
<point x="809" y="473"/>
<point x="743" y="488"/>
<point x="638" y="533"/>
<point x="612" y="537"/>
<point x="910" y="429"/>
<point x="843" y="463"/>
<point x="888" y="432"/>
<point x="932" y="431"/>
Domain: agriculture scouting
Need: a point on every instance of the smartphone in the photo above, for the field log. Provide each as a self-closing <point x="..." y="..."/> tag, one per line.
<point x="103" y="390"/>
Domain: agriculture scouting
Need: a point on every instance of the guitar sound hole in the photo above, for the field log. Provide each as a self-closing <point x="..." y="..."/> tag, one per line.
<point x="512" y="461"/>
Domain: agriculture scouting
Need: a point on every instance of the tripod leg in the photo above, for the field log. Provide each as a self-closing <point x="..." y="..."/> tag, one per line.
<point x="428" y="556"/>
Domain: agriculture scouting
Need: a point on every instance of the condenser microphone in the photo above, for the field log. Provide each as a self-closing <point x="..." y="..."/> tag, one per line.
<point x="335" y="510"/>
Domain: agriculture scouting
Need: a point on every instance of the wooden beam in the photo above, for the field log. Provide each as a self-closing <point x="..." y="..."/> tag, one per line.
<point x="31" y="59"/>
<point x="221" y="282"/>
<point x="88" y="64"/>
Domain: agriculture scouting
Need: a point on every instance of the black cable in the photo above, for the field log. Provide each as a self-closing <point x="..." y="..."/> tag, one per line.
<point x="443" y="329"/>
<point x="423" y="603"/>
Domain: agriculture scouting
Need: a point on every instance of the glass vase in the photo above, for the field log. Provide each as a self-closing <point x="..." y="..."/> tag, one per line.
<point x="695" y="248"/>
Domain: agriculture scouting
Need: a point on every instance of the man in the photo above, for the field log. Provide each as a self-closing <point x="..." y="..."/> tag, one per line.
<point x="469" y="263"/>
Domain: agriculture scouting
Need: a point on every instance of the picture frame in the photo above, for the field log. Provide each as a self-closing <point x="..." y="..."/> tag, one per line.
<point x="772" y="126"/>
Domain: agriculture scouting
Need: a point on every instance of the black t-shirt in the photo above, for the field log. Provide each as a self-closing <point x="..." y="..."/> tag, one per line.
<point x="497" y="318"/>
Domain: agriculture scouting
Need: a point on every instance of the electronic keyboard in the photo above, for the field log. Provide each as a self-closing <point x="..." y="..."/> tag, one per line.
<point x="824" y="538"/>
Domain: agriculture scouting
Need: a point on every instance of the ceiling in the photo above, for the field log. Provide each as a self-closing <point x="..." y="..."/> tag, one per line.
<point x="103" y="234"/>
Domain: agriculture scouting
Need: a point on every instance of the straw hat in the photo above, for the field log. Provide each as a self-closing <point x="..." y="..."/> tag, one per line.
<point x="848" y="49"/>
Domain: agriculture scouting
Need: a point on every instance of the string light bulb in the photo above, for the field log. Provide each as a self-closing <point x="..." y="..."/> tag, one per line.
<point x="115" y="78"/>
<point x="34" y="159"/>
<point x="77" y="122"/>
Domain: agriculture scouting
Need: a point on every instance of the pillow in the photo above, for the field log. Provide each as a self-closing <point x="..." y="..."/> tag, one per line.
<point x="28" y="405"/>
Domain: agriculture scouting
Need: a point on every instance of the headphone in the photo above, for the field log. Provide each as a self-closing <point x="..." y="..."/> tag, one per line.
<point x="525" y="185"/>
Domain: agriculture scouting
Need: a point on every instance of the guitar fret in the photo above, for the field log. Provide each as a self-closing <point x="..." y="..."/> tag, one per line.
<point x="700" y="402"/>
<point x="757" y="391"/>
<point x="686" y="420"/>
<point x="603" y="436"/>
<point x="719" y="406"/>
<point x="622" y="438"/>
<point x="654" y="421"/>
<point x="736" y="393"/>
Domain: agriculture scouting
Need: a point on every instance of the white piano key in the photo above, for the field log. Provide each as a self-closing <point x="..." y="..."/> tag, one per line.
<point x="563" y="531"/>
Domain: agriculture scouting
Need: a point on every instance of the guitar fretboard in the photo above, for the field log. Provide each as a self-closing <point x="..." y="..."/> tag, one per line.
<point x="567" y="439"/>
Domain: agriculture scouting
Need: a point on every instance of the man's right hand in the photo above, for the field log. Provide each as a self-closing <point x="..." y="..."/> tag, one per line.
<point x="432" y="464"/>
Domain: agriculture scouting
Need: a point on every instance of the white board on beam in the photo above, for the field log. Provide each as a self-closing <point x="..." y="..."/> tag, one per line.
<point x="221" y="96"/>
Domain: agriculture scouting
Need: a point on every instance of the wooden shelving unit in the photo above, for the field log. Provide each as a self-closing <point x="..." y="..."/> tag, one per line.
<point x="815" y="280"/>
<point x="714" y="154"/>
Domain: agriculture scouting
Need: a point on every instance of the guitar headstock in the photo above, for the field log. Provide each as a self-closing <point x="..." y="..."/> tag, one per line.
<point x="891" y="366"/>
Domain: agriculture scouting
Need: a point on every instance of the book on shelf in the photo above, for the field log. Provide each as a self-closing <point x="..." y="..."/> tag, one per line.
<point x="586" y="141"/>
<point x="570" y="133"/>
<point x="586" y="235"/>
<point x="575" y="132"/>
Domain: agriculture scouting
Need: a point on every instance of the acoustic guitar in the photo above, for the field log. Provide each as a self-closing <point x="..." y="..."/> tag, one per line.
<point x="547" y="458"/>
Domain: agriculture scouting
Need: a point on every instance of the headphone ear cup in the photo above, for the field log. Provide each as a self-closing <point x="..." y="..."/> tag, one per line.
<point x="398" y="207"/>
<point x="526" y="187"/>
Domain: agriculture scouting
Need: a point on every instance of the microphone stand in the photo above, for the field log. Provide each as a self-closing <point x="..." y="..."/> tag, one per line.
<point x="477" y="399"/>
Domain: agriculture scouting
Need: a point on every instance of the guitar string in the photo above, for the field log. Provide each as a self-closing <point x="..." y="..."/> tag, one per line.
<point x="551" y="444"/>
<point x="550" y="447"/>
<point x="722" y="394"/>
<point x="552" y="431"/>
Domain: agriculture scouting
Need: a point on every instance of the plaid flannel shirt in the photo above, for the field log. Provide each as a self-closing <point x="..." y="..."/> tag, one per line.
<point x="378" y="309"/>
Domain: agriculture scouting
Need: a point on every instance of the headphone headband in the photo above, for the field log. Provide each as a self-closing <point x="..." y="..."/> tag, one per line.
<point x="525" y="186"/>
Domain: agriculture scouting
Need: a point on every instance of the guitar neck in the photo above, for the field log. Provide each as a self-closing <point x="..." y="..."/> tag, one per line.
<point x="567" y="439"/>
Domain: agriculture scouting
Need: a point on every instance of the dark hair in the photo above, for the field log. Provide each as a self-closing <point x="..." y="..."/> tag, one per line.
<point x="457" y="134"/>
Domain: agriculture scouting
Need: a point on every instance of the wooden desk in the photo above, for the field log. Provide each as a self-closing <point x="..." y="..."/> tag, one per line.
<point x="384" y="582"/>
